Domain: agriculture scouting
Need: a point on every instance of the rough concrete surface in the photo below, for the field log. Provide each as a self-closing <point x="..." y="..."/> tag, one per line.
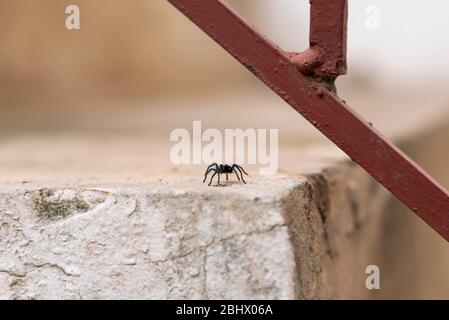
<point x="270" y="239"/>
<point x="140" y="243"/>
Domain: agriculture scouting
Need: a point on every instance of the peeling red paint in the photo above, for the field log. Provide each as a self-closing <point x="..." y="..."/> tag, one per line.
<point x="356" y="137"/>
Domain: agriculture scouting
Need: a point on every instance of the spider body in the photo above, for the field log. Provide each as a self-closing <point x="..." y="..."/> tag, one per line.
<point x="224" y="169"/>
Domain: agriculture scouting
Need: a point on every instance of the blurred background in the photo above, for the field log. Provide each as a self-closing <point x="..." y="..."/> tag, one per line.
<point x="131" y="53"/>
<point x="141" y="66"/>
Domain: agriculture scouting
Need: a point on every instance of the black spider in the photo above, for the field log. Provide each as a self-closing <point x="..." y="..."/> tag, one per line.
<point x="226" y="169"/>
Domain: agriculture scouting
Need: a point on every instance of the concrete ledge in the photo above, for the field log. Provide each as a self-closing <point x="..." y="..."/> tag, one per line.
<point x="283" y="238"/>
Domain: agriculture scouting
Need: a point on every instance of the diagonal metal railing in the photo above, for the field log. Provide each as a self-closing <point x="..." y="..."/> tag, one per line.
<point x="306" y="82"/>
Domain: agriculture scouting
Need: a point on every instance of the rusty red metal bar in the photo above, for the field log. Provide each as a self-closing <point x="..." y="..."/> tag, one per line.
<point x="321" y="107"/>
<point x="326" y="57"/>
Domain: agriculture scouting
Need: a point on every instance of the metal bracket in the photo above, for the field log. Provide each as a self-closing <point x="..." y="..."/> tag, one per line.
<point x="326" y="57"/>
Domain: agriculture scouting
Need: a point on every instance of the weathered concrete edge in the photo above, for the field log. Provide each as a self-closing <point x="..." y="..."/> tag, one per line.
<point x="313" y="221"/>
<point x="159" y="234"/>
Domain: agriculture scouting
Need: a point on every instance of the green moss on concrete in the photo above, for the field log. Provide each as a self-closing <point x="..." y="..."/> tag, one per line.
<point x="48" y="206"/>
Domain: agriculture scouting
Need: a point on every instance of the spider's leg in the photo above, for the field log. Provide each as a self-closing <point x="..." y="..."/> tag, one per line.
<point x="211" y="179"/>
<point x="241" y="168"/>
<point x="227" y="177"/>
<point x="241" y="174"/>
<point x="236" y="174"/>
<point x="208" y="171"/>
<point x="209" y="168"/>
<point x="218" y="179"/>
<point x="205" y="175"/>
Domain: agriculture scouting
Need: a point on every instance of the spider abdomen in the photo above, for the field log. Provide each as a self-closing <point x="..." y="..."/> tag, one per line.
<point x="226" y="169"/>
